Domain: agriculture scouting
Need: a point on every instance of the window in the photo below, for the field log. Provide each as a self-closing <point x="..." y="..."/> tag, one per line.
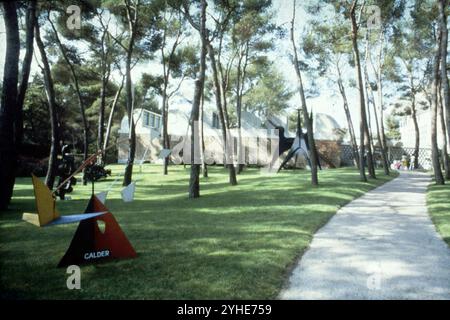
<point x="152" y="120"/>
<point x="146" y="119"/>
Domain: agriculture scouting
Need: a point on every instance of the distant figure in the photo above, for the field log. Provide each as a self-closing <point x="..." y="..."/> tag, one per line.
<point x="405" y="163"/>
<point x="411" y="163"/>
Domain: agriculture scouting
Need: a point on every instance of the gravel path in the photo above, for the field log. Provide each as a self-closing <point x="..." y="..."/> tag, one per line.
<point x="380" y="246"/>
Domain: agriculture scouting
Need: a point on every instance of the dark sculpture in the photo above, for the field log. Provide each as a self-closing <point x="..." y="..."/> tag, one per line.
<point x="66" y="168"/>
<point x="95" y="172"/>
<point x="286" y="144"/>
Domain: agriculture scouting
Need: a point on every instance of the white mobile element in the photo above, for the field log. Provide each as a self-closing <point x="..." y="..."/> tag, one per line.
<point x="128" y="192"/>
<point x="164" y="153"/>
<point x="102" y="196"/>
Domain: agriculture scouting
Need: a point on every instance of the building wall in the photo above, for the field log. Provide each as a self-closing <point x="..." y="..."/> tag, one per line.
<point x="254" y="137"/>
<point x="148" y="148"/>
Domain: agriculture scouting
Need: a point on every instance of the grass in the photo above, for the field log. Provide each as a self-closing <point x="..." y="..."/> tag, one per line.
<point x="232" y="243"/>
<point x="438" y="201"/>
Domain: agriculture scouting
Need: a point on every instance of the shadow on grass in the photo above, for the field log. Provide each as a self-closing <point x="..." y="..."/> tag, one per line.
<point x="231" y="243"/>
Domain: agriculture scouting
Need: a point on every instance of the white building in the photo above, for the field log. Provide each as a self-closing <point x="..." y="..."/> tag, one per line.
<point x="148" y="127"/>
<point x="149" y="131"/>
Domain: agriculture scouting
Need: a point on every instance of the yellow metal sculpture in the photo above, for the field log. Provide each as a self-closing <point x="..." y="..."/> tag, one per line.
<point x="45" y="204"/>
<point x="47" y="214"/>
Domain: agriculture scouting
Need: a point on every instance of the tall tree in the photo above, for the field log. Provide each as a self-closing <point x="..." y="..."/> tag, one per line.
<point x="52" y="107"/>
<point x="221" y="113"/>
<point x="106" y="55"/>
<point x="363" y="128"/>
<point x="111" y="115"/>
<point x="250" y="40"/>
<point x="76" y="83"/>
<point x="30" y="21"/>
<point x="132" y="15"/>
<point x="202" y="134"/>
<point x="412" y="32"/>
<point x="220" y="78"/>
<point x="8" y="109"/>
<point x="137" y="19"/>
<point x="178" y="63"/>
<point x="371" y="100"/>
<point x="443" y="126"/>
<point x="438" y="177"/>
<point x="443" y="9"/>
<point x="353" y="11"/>
<point x="105" y="71"/>
<point x="329" y="46"/>
<point x="306" y="117"/>
<point x="269" y="94"/>
<point x="390" y="12"/>
<point x="194" y="181"/>
<point x="170" y="25"/>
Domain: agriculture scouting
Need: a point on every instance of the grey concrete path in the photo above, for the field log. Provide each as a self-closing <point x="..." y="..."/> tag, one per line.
<point x="380" y="246"/>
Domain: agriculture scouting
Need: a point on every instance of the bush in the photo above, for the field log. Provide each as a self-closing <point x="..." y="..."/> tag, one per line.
<point x="28" y="165"/>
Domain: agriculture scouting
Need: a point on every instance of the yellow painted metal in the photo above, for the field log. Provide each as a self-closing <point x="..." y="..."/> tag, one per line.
<point x="45" y="204"/>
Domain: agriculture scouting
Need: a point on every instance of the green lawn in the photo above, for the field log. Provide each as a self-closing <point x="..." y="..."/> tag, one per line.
<point x="232" y="243"/>
<point x="438" y="200"/>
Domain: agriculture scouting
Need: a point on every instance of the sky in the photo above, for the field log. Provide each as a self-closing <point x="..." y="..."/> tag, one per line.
<point x="329" y="100"/>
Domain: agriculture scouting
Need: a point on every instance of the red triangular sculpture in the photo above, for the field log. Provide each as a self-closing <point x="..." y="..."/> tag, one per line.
<point x="91" y="245"/>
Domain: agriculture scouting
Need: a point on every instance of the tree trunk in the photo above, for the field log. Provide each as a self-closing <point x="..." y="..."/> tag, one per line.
<point x="165" y="122"/>
<point x="370" y="146"/>
<point x="445" y="157"/>
<point x="306" y="117"/>
<point x="380" y="141"/>
<point x="368" y="127"/>
<point x="370" y="91"/>
<point x="220" y="111"/>
<point x="204" y="164"/>
<point x="362" y="107"/>
<point x="132" y="134"/>
<point x="351" y="129"/>
<point x="53" y="111"/>
<point x="239" y="116"/>
<point x="106" y="71"/>
<point x="26" y="67"/>
<point x="166" y="73"/>
<point x="194" y="181"/>
<point x="166" y="139"/>
<point x="224" y="77"/>
<point x="434" y="99"/>
<point x="415" y="121"/>
<point x="111" y="118"/>
<point x="443" y="4"/>
<point x="380" y="101"/>
<point x="101" y="120"/>
<point x="78" y="92"/>
<point x="8" y="110"/>
<point x="241" y="72"/>
<point x="370" y="161"/>
<point x="417" y="136"/>
<point x="128" y="175"/>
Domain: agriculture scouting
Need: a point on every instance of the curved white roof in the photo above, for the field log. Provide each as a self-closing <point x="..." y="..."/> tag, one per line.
<point x="325" y="127"/>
